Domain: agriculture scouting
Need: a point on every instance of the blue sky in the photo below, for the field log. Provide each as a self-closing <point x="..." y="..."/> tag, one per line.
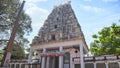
<point x="92" y="15"/>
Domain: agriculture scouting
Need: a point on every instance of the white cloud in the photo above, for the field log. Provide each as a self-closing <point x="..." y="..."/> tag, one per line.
<point x="88" y="0"/>
<point x="34" y="1"/>
<point x="36" y="10"/>
<point x="110" y="0"/>
<point x="38" y="16"/>
<point x="92" y="8"/>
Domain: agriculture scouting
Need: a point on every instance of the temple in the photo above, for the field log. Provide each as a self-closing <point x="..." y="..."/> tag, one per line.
<point x="60" y="42"/>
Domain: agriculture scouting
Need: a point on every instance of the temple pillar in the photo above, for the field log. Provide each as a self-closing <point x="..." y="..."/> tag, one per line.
<point x="60" y="58"/>
<point x="43" y="59"/>
<point x="47" y="63"/>
<point x="71" y="62"/>
<point x="81" y="55"/>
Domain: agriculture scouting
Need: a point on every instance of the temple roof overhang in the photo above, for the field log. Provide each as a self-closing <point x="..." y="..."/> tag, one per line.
<point x="71" y="43"/>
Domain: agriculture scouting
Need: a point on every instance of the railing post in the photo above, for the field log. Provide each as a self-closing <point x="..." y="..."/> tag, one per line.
<point x="94" y="64"/>
<point x="106" y="64"/>
<point x="119" y="64"/>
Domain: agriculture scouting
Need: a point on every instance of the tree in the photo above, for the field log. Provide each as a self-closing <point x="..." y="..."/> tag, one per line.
<point x="1" y="54"/>
<point x="107" y="41"/>
<point x="9" y="10"/>
<point x="18" y="52"/>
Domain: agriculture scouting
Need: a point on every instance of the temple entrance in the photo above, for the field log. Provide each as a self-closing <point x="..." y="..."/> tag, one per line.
<point x="66" y="60"/>
<point x="54" y="62"/>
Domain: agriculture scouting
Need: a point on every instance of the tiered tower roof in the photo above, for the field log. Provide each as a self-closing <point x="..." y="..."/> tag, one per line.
<point x="61" y="24"/>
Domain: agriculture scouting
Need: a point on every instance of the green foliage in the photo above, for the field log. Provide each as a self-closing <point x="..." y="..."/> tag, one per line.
<point x="1" y="54"/>
<point x="94" y="36"/>
<point x="107" y="41"/>
<point x="8" y="12"/>
<point x="18" y="52"/>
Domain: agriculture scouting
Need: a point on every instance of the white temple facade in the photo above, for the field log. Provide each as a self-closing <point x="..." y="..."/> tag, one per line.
<point x="60" y="42"/>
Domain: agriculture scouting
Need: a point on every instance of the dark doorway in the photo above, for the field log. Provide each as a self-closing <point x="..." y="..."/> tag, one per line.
<point x="66" y="61"/>
<point x="53" y="37"/>
<point x="56" y="62"/>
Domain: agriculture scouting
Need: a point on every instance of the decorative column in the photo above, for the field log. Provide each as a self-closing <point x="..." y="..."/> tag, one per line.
<point x="106" y="64"/>
<point x="30" y="56"/>
<point x="94" y="64"/>
<point x="47" y="63"/>
<point x="81" y="55"/>
<point x="60" y="58"/>
<point x="43" y="59"/>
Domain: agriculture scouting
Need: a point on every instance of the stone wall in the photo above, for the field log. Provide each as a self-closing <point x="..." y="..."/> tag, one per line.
<point x="17" y="64"/>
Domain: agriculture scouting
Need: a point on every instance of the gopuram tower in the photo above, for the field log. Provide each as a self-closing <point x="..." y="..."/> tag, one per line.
<point x="60" y="41"/>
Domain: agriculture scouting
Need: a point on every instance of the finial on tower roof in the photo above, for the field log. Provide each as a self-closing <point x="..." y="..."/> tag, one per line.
<point x="69" y="1"/>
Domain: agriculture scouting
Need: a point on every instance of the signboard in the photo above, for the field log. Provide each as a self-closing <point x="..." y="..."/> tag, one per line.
<point x="52" y="54"/>
<point x="76" y="59"/>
